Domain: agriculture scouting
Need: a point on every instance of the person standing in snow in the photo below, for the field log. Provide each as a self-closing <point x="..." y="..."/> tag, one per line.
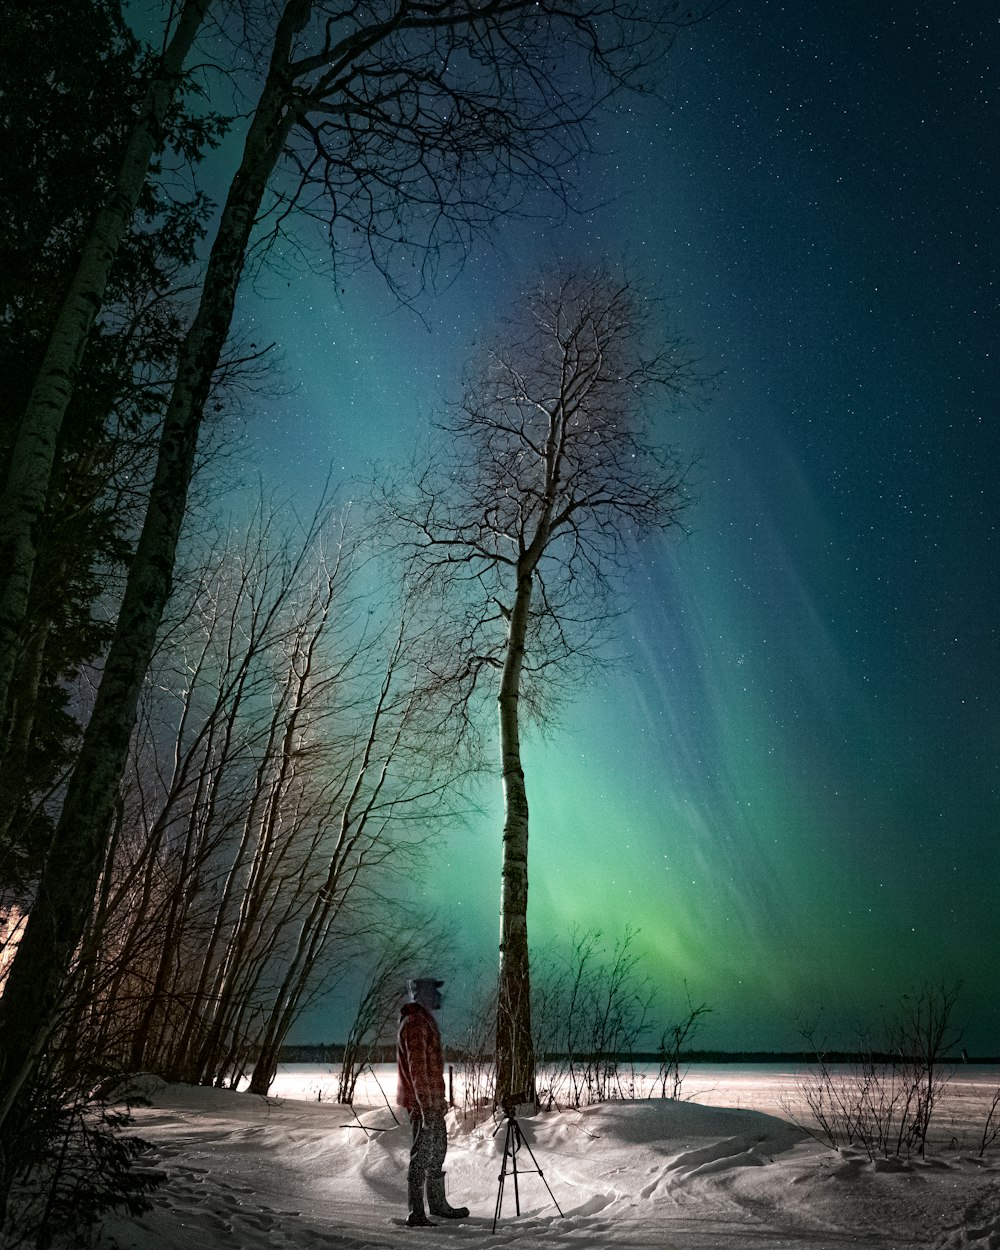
<point x="420" y="1068"/>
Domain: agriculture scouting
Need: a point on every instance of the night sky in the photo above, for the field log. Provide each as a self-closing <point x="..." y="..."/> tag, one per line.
<point x="791" y="784"/>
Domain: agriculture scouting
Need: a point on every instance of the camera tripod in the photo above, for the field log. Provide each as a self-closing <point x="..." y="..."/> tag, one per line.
<point x="512" y="1143"/>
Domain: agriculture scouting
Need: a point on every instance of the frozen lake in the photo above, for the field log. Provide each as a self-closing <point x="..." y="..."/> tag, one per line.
<point x="776" y="1089"/>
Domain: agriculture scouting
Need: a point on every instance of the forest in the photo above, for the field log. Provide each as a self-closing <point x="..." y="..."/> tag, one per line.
<point x="229" y="735"/>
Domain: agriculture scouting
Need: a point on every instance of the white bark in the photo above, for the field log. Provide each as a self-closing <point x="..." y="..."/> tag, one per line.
<point x="514" y="1051"/>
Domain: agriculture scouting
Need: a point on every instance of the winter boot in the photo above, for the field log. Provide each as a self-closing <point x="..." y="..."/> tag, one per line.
<point x="438" y="1203"/>
<point x="415" y="1194"/>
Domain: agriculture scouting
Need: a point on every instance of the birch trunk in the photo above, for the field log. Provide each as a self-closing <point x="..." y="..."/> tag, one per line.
<point x="515" y="1057"/>
<point x="67" y="888"/>
<point x="33" y="455"/>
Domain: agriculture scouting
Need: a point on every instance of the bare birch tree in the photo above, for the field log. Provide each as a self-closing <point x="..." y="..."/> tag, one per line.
<point x="516" y="532"/>
<point x="278" y="779"/>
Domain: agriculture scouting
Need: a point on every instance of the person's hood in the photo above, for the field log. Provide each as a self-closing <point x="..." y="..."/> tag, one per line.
<point x="414" y="1009"/>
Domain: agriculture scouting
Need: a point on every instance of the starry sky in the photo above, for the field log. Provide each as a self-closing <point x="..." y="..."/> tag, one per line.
<point x="790" y="784"/>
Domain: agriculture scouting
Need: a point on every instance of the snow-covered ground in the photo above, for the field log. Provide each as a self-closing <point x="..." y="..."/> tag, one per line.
<point x="724" y="1168"/>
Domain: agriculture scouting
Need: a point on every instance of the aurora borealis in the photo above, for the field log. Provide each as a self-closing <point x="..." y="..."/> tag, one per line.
<point x="790" y="784"/>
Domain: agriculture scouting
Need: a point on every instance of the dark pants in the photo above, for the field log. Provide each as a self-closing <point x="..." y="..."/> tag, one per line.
<point x="430" y="1144"/>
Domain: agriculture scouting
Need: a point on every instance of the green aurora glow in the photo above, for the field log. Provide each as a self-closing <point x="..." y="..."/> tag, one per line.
<point x="791" y="785"/>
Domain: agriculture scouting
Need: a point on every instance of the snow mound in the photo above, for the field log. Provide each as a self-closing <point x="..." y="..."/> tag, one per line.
<point x="140" y="1086"/>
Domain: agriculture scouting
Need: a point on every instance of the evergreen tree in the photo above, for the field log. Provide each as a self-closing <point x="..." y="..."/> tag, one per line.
<point x="74" y="78"/>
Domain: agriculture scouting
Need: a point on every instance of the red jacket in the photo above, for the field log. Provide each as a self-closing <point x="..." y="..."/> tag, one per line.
<point x="419" y="1064"/>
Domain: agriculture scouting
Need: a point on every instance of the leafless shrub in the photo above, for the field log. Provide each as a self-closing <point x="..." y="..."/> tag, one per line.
<point x="673" y="1040"/>
<point x="477" y="1070"/>
<point x="885" y="1100"/>
<point x="374" y="1022"/>
<point x="591" y="1011"/>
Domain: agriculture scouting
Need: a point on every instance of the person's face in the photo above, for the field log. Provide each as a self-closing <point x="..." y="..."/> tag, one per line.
<point x="429" y="996"/>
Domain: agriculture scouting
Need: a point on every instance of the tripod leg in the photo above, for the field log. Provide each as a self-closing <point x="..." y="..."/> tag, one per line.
<point x="503" y="1177"/>
<point x="496" y="1213"/>
<point x="542" y="1175"/>
<point x="516" y="1133"/>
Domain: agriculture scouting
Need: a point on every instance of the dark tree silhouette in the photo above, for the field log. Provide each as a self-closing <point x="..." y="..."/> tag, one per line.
<point x="518" y="528"/>
<point x="34" y="451"/>
<point x="70" y="469"/>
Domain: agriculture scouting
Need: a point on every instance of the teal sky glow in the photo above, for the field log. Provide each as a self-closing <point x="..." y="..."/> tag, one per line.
<point x="791" y="785"/>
